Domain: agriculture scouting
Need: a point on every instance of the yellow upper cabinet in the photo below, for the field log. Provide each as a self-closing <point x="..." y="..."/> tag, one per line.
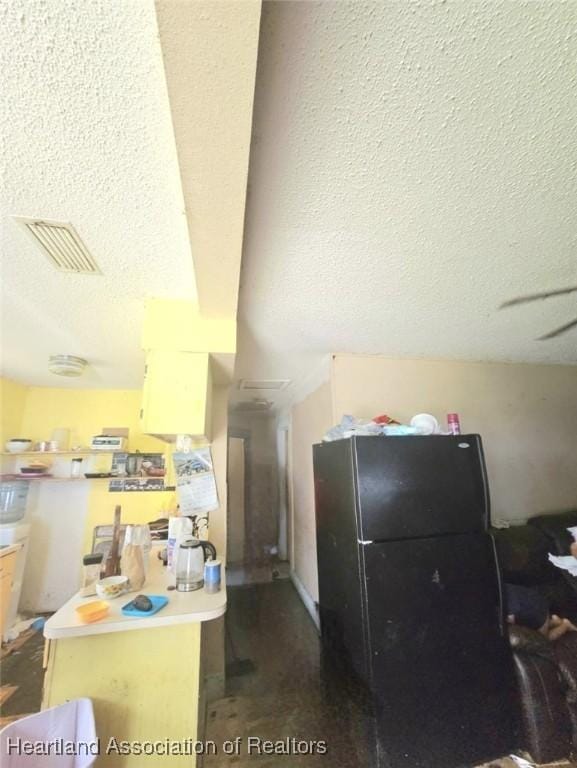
<point x="180" y="344"/>
<point x="176" y="394"/>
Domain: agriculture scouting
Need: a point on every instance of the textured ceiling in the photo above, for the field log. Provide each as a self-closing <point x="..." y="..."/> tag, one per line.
<point x="413" y="166"/>
<point x="87" y="138"/>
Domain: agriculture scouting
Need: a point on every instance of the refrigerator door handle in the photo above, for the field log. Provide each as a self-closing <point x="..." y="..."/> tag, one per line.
<point x="501" y="609"/>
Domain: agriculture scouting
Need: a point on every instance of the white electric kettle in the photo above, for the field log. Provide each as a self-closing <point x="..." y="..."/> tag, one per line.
<point x="192" y="555"/>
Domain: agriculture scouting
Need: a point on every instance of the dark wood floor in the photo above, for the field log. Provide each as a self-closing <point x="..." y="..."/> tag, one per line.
<point x="21" y="676"/>
<point x="276" y="687"/>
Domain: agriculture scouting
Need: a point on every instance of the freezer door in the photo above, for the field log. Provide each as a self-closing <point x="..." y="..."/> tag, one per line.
<point x="412" y="487"/>
<point x="340" y="587"/>
<point x="441" y="670"/>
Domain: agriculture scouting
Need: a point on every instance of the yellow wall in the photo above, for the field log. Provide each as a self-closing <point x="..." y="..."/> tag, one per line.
<point x="35" y="412"/>
<point x="85" y="412"/>
<point x="12" y="402"/>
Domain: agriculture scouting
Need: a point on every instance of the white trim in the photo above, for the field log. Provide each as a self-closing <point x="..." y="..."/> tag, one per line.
<point x="309" y="603"/>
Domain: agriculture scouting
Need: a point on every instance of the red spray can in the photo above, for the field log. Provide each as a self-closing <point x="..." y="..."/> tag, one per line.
<point x="453" y="424"/>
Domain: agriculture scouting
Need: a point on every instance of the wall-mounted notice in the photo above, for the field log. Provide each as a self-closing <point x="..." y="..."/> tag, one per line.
<point x="195" y="481"/>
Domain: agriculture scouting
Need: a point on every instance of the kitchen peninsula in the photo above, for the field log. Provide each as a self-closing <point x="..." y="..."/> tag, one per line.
<point x="142" y="674"/>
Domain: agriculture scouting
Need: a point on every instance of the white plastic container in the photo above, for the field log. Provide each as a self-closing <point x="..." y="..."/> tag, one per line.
<point x="179" y="529"/>
<point x="13" y="497"/>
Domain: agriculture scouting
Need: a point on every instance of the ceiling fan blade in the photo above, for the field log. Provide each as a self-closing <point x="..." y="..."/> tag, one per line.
<point x="559" y="331"/>
<point x="537" y="296"/>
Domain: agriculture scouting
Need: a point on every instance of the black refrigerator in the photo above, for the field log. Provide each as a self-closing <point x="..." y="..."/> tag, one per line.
<point x="410" y="600"/>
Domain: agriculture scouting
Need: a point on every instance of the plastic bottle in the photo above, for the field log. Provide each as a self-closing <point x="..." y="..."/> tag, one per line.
<point x="179" y="528"/>
<point x="91" y="573"/>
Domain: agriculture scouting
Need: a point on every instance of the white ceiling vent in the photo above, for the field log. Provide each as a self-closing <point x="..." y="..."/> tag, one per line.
<point x="276" y="384"/>
<point x="61" y="244"/>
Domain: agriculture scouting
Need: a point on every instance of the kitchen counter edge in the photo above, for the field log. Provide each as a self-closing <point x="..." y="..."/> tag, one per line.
<point x="158" y="620"/>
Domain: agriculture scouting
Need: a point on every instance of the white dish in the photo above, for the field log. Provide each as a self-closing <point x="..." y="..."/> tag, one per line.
<point x="426" y="424"/>
<point x="111" y="587"/>
<point x="18" y="446"/>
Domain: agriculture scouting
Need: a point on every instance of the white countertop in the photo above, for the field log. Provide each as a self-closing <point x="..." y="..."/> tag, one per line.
<point x="182" y="608"/>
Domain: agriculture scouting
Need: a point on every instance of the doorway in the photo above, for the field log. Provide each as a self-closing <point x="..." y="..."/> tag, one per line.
<point x="236" y="527"/>
<point x="257" y="499"/>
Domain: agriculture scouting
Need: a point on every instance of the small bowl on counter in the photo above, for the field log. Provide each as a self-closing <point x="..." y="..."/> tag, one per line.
<point x="111" y="587"/>
<point x="92" y="611"/>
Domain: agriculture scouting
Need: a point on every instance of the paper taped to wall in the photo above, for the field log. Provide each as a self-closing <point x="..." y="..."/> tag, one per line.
<point x="195" y="481"/>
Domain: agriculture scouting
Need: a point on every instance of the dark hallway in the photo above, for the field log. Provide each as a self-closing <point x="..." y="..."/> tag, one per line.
<point x="275" y="689"/>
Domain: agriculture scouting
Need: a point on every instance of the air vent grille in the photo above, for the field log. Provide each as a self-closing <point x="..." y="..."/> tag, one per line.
<point x="276" y="384"/>
<point x="61" y="243"/>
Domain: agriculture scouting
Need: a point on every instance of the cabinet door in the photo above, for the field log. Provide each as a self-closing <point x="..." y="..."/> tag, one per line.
<point x="175" y="394"/>
<point x="7" y="564"/>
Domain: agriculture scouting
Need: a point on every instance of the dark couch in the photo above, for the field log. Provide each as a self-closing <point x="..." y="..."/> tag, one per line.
<point x="523" y="556"/>
<point x="546" y="676"/>
<point x="546" y="672"/>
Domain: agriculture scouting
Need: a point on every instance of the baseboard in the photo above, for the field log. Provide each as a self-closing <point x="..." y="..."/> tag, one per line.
<point x="308" y="602"/>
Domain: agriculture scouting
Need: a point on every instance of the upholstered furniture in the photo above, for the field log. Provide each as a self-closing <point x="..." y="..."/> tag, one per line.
<point x="546" y="671"/>
<point x="546" y="675"/>
<point x="523" y="556"/>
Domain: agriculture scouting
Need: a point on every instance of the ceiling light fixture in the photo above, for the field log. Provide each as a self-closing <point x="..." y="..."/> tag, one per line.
<point x="66" y="365"/>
